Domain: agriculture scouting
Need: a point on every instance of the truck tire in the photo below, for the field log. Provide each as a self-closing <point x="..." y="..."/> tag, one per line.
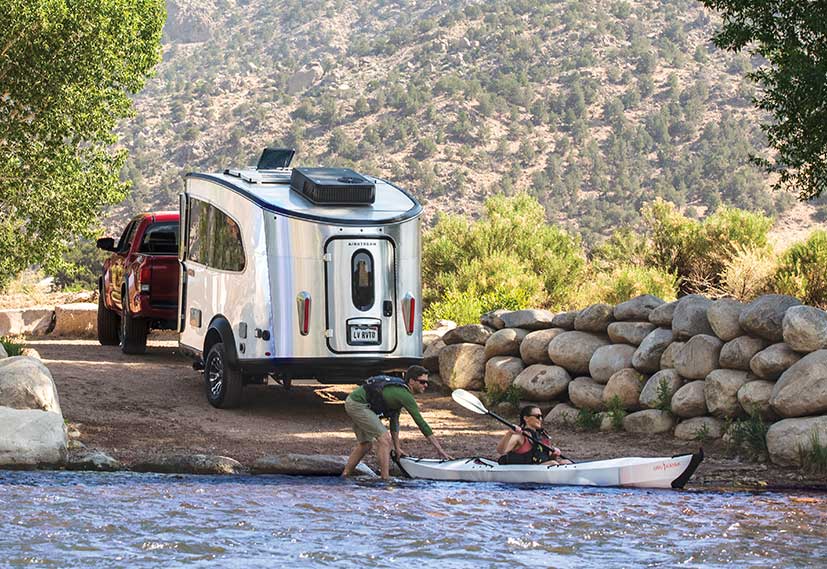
<point x="108" y="324"/>
<point x="224" y="385"/>
<point x="133" y="331"/>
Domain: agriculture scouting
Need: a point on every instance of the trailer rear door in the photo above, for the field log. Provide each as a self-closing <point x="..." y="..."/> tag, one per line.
<point x="361" y="294"/>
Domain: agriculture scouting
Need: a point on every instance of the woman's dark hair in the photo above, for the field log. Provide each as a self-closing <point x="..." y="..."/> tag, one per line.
<point x="414" y="371"/>
<point x="525" y="412"/>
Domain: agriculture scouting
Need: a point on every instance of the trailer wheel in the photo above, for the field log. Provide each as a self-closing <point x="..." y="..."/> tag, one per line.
<point x="223" y="384"/>
<point x="133" y="331"/>
<point x="108" y="324"/>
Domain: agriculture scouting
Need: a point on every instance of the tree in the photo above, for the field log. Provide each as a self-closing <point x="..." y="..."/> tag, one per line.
<point x="67" y="68"/>
<point x="792" y="37"/>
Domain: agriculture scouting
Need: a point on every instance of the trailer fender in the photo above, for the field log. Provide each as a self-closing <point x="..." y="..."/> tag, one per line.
<point x="220" y="330"/>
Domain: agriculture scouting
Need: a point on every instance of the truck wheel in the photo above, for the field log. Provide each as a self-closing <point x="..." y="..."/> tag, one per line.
<point x="133" y="332"/>
<point x="224" y="384"/>
<point x="108" y="324"/>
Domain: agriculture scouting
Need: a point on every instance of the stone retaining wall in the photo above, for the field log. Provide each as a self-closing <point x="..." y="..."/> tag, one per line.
<point x="689" y="367"/>
<point x="78" y="320"/>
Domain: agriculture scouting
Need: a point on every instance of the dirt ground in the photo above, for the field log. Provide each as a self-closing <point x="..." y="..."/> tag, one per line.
<point x="138" y="407"/>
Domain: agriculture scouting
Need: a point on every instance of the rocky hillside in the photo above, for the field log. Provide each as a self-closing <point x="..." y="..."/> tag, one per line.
<point x="593" y="107"/>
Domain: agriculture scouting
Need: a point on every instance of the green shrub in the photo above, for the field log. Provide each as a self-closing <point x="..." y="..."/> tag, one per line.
<point x="625" y="282"/>
<point x="749" y="435"/>
<point x="11" y="346"/>
<point x="512" y="395"/>
<point x="616" y="412"/>
<point x="802" y="273"/>
<point x="664" y="399"/>
<point x="748" y="274"/>
<point x="702" y="434"/>
<point x="814" y="458"/>
<point x="587" y="420"/>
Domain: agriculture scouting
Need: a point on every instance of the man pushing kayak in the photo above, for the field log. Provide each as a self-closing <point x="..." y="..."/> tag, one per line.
<point x="385" y="396"/>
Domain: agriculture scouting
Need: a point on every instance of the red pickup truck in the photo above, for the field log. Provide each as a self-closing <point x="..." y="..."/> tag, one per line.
<point x="138" y="290"/>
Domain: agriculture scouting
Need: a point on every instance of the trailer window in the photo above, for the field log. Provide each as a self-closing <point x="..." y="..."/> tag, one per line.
<point x="362" y="285"/>
<point x="227" y="249"/>
<point x="198" y="231"/>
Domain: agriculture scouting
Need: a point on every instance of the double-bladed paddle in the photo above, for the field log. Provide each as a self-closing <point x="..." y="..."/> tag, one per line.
<point x="472" y="403"/>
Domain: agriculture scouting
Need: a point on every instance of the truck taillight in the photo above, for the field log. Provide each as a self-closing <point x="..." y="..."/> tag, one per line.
<point x="144" y="276"/>
<point x="409" y="312"/>
<point x="303" y="306"/>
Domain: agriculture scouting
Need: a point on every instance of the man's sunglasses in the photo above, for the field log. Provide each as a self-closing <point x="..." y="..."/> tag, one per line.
<point x="422" y="381"/>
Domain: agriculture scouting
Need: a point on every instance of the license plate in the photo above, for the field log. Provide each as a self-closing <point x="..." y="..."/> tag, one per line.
<point x="363" y="334"/>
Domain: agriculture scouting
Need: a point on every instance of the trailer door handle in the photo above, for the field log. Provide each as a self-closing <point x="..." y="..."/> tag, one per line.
<point x="190" y="273"/>
<point x="387" y="308"/>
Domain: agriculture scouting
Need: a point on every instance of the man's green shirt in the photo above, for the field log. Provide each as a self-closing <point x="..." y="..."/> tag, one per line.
<point x="396" y="397"/>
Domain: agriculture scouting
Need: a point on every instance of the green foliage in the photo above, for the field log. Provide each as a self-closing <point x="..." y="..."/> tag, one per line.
<point x="11" y="346"/>
<point x="664" y="399"/>
<point x="749" y="436"/>
<point x="802" y="270"/>
<point x="616" y="412"/>
<point x="814" y="458"/>
<point x="67" y="70"/>
<point x="82" y="268"/>
<point x="587" y="420"/>
<point x="512" y="395"/>
<point x="702" y="434"/>
<point x="623" y="282"/>
<point x="791" y="37"/>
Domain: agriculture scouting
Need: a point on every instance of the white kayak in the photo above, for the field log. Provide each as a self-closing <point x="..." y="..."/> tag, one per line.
<point x="631" y="472"/>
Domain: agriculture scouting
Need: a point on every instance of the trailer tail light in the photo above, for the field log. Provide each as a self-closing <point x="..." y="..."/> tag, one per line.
<point x="144" y="276"/>
<point x="303" y="306"/>
<point x="409" y="312"/>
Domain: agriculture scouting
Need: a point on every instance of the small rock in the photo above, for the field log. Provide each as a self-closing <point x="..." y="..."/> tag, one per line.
<point x="764" y="316"/>
<point x="190" y="464"/>
<point x="667" y="360"/>
<point x="690" y="318"/>
<point x="805" y="328"/>
<point x="531" y="319"/>
<point x="737" y="353"/>
<point x="594" y="318"/>
<point x="698" y="357"/>
<point x="306" y="465"/>
<point x="95" y="461"/>
<point x="631" y="333"/>
<point x="543" y="383"/>
<point x="494" y="319"/>
<point x="500" y="372"/>
<point x="626" y="385"/>
<point x="574" y="350"/>
<point x="771" y="362"/>
<point x="534" y="347"/>
<point x="647" y="357"/>
<point x="638" y="308"/>
<point x="468" y="334"/>
<point x="565" y="320"/>
<point x="607" y="360"/>
<point x="649" y="421"/>
<point x="723" y="316"/>
<point x="505" y="342"/>
<point x="585" y="393"/>
<point x="663" y="314"/>
<point x="721" y="391"/>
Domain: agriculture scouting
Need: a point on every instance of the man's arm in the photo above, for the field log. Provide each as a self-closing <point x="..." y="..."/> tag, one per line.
<point x="396" y="447"/>
<point x="433" y="440"/>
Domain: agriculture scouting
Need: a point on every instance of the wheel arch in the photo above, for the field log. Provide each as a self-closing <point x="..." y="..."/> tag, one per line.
<point x="220" y="330"/>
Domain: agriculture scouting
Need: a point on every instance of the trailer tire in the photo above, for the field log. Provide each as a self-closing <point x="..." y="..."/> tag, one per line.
<point x="108" y="324"/>
<point x="133" y="331"/>
<point x="223" y="384"/>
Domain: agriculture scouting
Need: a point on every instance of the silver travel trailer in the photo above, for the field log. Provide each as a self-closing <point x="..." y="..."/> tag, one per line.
<point x="297" y="273"/>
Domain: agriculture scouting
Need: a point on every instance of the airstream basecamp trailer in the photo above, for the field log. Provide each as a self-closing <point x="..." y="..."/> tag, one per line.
<point x="297" y="273"/>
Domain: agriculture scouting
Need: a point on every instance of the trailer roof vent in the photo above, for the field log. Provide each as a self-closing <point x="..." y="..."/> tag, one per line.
<point x="332" y="186"/>
<point x="275" y="158"/>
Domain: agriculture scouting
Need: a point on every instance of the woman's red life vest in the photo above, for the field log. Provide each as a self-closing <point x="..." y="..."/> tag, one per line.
<point x="529" y="452"/>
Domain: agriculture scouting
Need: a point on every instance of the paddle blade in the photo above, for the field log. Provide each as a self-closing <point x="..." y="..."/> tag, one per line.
<point x="469" y="401"/>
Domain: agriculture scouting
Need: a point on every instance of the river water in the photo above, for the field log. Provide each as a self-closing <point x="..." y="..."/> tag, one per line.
<point x="57" y="519"/>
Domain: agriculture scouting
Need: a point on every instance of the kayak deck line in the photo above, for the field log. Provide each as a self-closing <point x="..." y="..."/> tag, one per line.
<point x="634" y="472"/>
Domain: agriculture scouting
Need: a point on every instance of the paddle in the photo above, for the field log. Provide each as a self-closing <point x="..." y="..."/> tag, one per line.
<point x="472" y="403"/>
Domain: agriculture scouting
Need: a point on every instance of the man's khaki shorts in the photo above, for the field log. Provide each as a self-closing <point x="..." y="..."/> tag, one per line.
<point x="366" y="424"/>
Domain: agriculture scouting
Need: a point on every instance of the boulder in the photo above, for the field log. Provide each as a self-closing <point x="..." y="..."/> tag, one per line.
<point x="79" y="320"/>
<point x="505" y="342"/>
<point x="430" y="359"/>
<point x="594" y="318"/>
<point x="626" y="384"/>
<point x="754" y="397"/>
<point x="663" y="314"/>
<point x="805" y="328"/>
<point x="435" y="382"/>
<point x="638" y="308"/>
<point x="468" y="334"/>
<point x="500" y="372"/>
<point x="493" y="319"/>
<point x="737" y="353"/>
<point x="723" y="316"/>
<point x="190" y="464"/>
<point x="631" y="333"/>
<point x="534" y="347"/>
<point x="96" y="461"/>
<point x="35" y="321"/>
<point x="651" y="393"/>
<point x="574" y="350"/>
<point x="699" y="429"/>
<point x="586" y="393"/>
<point x="771" y="362"/>
<point x="530" y="319"/>
<point x="721" y="391"/>
<point x="462" y="366"/>
<point x="802" y="389"/>
<point x="789" y="439"/>
<point x="690" y="317"/>
<point x="764" y="316"/>
<point x="540" y="382"/>
<point x="3" y="353"/>
<point x="306" y="465"/>
<point x="649" y="421"/>
<point x="431" y="336"/>
<point x="562" y="415"/>
<point x="25" y="383"/>
<point x="698" y="357"/>
<point x="565" y="320"/>
<point x="690" y="401"/>
<point x="610" y="359"/>
<point x="667" y="360"/>
<point x="31" y="438"/>
<point x="647" y="356"/>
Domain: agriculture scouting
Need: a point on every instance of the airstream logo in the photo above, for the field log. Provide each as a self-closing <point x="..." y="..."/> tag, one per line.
<point x="361" y="243"/>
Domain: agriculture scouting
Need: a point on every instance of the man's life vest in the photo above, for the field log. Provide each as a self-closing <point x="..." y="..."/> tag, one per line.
<point x="529" y="452"/>
<point x="374" y="386"/>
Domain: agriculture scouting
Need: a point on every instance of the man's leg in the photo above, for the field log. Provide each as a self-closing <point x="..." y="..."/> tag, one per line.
<point x="359" y="452"/>
<point x="383" y="453"/>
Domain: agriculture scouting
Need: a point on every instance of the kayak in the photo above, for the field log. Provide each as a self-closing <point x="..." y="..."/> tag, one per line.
<point x="629" y="472"/>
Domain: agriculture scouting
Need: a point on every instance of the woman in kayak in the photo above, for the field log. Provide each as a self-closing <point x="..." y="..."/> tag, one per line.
<point x="529" y="443"/>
